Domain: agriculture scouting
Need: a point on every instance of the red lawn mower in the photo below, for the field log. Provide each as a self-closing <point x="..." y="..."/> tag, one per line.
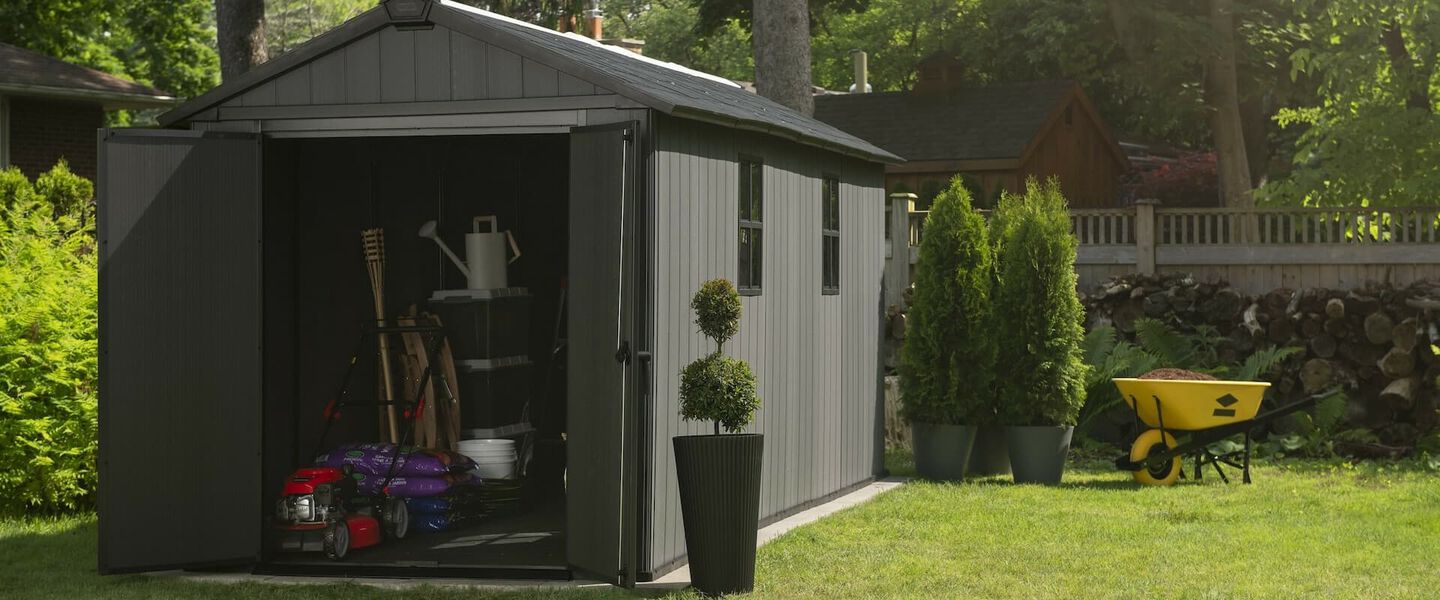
<point x="321" y="508"/>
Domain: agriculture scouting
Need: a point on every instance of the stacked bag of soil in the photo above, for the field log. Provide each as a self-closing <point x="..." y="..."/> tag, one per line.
<point x="441" y="489"/>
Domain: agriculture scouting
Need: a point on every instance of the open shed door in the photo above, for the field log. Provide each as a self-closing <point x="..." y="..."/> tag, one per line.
<point x="600" y="422"/>
<point x="179" y="229"/>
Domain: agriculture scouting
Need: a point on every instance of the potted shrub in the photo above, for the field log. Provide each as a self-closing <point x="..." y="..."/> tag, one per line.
<point x="1041" y="371"/>
<point x="947" y="363"/>
<point x="719" y="474"/>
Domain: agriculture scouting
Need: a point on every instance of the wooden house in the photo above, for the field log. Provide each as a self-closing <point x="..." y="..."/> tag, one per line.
<point x="993" y="136"/>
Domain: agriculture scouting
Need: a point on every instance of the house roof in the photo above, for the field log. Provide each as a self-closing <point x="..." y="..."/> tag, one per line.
<point x="28" y="73"/>
<point x="998" y="121"/>
<point x="665" y="87"/>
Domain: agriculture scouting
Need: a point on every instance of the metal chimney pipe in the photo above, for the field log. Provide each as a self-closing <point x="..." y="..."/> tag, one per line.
<point x="862" y="72"/>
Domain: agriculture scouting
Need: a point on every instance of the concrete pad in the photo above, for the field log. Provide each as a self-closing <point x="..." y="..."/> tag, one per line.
<point x="680" y="578"/>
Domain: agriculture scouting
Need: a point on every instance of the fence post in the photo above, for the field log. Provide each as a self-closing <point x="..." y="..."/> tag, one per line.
<point x="897" y="270"/>
<point x="1145" y="236"/>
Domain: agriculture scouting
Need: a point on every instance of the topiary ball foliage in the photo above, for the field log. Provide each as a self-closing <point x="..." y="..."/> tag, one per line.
<point x="719" y="389"/>
<point x="1040" y="367"/>
<point x="947" y="364"/>
<point x="717" y="310"/>
<point x="716" y="388"/>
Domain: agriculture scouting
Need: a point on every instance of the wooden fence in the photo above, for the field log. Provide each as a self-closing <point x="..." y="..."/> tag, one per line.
<point x="1256" y="250"/>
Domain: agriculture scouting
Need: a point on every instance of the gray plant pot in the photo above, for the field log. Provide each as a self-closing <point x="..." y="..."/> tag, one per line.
<point x="719" y="481"/>
<point x="1037" y="453"/>
<point x="991" y="454"/>
<point x="942" y="451"/>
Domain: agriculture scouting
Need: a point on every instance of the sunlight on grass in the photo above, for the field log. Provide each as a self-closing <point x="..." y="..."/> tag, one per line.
<point x="1302" y="530"/>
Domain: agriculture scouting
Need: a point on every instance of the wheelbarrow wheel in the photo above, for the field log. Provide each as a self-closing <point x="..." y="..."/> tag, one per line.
<point x="1152" y="442"/>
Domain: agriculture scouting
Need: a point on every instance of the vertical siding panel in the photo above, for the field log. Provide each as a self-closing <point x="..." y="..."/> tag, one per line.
<point x="537" y="80"/>
<point x="263" y="95"/>
<point x="432" y="64"/>
<point x="397" y="65"/>
<point x="467" y="68"/>
<point x="362" y="70"/>
<point x="502" y="73"/>
<point x="327" y="78"/>
<point x="293" y="88"/>
<point x="572" y="86"/>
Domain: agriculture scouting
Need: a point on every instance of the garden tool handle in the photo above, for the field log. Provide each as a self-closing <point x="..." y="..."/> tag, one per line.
<point x="513" y="246"/>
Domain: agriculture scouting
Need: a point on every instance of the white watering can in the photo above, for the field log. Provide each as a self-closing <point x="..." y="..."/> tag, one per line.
<point x="484" y="265"/>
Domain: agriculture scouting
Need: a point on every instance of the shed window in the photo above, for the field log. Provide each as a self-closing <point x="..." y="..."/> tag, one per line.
<point x="830" y="236"/>
<point x="752" y="210"/>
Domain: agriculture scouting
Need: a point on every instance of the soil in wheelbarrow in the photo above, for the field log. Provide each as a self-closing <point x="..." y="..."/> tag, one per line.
<point x="1178" y="375"/>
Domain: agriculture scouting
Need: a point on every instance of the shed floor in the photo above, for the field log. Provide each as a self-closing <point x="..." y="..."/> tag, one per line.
<point x="531" y="540"/>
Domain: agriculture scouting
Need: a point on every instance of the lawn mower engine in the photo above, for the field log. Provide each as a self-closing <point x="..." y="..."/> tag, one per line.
<point x="320" y="510"/>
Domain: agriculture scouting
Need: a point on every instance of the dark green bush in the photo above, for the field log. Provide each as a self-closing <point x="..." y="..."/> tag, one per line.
<point x="1040" y="363"/>
<point x="716" y="388"/>
<point x="47" y="344"/>
<point x="947" y="365"/>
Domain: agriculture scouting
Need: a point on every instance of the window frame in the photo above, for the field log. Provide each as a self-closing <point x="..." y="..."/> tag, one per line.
<point x="751" y="180"/>
<point x="829" y="199"/>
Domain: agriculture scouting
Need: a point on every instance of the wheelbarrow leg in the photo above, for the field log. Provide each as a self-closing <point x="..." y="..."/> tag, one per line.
<point x="1199" y="466"/>
<point x="1221" y="472"/>
<point x="1246" y="468"/>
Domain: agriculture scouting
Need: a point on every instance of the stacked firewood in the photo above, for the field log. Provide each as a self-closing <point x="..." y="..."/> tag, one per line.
<point x="1376" y="342"/>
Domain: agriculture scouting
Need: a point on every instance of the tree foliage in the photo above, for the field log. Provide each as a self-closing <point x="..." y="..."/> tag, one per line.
<point x="715" y="387"/>
<point x="947" y="363"/>
<point x="169" y="45"/>
<point x="48" y="321"/>
<point x="668" y="28"/>
<point x="1040" y="367"/>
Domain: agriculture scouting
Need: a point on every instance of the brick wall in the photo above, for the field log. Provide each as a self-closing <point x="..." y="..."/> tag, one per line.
<point x="43" y="131"/>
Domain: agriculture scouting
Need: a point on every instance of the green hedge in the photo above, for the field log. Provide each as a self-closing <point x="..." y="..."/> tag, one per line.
<point x="48" y="323"/>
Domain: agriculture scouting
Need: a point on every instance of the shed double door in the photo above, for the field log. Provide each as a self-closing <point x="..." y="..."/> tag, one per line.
<point x="179" y="349"/>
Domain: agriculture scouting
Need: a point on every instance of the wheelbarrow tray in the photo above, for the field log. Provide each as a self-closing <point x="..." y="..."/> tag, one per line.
<point x="1189" y="405"/>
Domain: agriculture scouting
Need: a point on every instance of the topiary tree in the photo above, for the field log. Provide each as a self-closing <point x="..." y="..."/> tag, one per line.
<point x="1040" y="362"/>
<point x="718" y="388"/>
<point x="948" y="361"/>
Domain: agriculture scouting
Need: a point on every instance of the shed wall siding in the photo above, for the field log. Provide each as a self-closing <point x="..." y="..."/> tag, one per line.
<point x="431" y="65"/>
<point x="814" y="355"/>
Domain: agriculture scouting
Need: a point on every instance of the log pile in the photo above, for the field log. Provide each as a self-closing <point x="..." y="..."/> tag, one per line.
<point x="1377" y="342"/>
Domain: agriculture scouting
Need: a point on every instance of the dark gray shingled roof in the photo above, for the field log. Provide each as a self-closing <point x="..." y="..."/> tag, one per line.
<point x="992" y="122"/>
<point x="667" y="88"/>
<point x="26" y="72"/>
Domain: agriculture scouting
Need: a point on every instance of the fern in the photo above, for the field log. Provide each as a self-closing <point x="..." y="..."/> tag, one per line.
<point x="1171" y="348"/>
<point x="1262" y="362"/>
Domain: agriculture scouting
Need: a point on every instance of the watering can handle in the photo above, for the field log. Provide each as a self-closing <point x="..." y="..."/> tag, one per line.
<point x="513" y="247"/>
<point x="492" y="219"/>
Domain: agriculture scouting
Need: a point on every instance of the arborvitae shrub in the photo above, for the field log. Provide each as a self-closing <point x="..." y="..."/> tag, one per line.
<point x="48" y="366"/>
<point x="948" y="362"/>
<point x="1040" y="362"/>
<point x="718" y="388"/>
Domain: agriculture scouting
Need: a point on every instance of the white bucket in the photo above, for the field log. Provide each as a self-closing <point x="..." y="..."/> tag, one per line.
<point x="494" y="457"/>
<point x="504" y="470"/>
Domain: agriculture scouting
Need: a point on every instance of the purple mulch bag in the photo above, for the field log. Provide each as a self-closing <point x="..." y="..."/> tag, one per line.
<point x="374" y="459"/>
<point x="401" y="487"/>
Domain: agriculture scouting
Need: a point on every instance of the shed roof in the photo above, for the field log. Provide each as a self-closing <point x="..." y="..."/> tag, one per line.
<point x="993" y="122"/>
<point x="662" y="86"/>
<point x="25" y="72"/>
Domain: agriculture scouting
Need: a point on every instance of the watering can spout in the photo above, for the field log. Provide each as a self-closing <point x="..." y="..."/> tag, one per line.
<point x="428" y="231"/>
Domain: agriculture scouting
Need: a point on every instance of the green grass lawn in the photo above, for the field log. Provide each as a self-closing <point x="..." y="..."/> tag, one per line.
<point x="1302" y="530"/>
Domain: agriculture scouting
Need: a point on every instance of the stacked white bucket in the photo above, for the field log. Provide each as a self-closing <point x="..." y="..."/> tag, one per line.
<point x="495" y="457"/>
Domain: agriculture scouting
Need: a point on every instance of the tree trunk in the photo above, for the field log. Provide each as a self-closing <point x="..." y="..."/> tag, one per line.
<point x="1415" y="82"/>
<point x="239" y="35"/>
<point x="780" y="35"/>
<point x="1223" y="96"/>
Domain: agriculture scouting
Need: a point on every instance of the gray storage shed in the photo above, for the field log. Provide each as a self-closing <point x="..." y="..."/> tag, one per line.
<point x="232" y="284"/>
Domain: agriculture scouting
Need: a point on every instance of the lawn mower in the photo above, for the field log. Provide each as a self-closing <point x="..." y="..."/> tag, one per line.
<point x="321" y="508"/>
<point x="1200" y="412"/>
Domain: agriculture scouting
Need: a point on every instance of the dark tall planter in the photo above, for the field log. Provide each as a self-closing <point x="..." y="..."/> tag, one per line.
<point x="719" y="477"/>
<point x="991" y="453"/>
<point x="942" y="451"/>
<point x="1037" y="454"/>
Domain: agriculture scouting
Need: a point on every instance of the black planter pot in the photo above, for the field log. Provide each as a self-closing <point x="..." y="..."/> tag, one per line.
<point x="1037" y="453"/>
<point x="991" y="453"/>
<point x="942" y="451"/>
<point x="719" y="477"/>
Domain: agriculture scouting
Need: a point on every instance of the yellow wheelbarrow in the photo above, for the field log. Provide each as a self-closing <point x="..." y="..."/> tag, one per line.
<point x="1200" y="412"/>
